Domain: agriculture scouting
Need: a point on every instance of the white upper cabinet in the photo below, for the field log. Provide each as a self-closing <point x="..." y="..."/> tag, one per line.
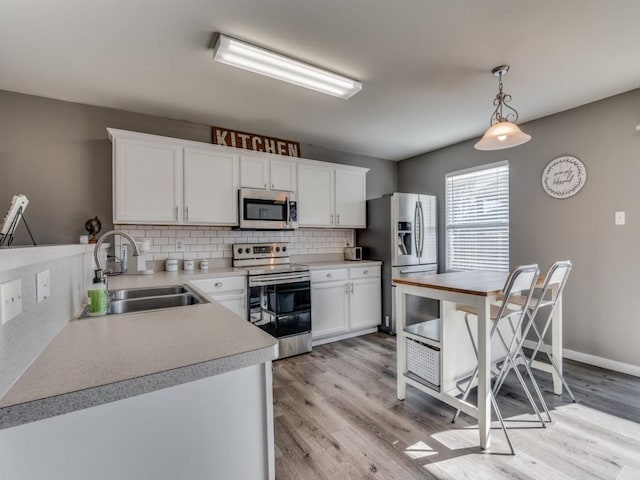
<point x="263" y="171"/>
<point x="163" y="181"/>
<point x="331" y="196"/>
<point x="147" y="181"/>
<point x="283" y="174"/>
<point x="254" y="171"/>
<point x="351" y="198"/>
<point x="210" y="187"/>
<point x="315" y="195"/>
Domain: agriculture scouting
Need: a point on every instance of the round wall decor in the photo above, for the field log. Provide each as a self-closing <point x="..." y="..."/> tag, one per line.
<point x="564" y="177"/>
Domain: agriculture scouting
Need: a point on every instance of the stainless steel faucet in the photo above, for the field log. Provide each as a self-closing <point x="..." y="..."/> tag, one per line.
<point x="96" y="250"/>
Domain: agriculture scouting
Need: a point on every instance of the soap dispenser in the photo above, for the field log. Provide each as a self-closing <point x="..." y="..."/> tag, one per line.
<point x="98" y="296"/>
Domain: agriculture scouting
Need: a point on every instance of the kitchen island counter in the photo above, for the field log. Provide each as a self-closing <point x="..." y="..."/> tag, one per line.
<point x="104" y="359"/>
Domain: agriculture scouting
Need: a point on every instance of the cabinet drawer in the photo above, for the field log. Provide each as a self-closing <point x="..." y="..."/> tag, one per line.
<point x="221" y="285"/>
<point x="329" y="275"/>
<point x="364" y="272"/>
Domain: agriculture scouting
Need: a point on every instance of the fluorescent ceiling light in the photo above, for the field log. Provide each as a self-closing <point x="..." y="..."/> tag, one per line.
<point x="243" y="55"/>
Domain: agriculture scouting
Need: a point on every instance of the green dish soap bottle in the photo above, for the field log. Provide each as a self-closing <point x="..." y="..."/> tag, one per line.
<point x="98" y="296"/>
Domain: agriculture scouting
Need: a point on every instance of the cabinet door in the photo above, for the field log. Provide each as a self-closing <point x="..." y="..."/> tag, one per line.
<point x="328" y="309"/>
<point x="283" y="174"/>
<point x="254" y="171"/>
<point x="236" y="303"/>
<point x="365" y="304"/>
<point x="210" y="187"/>
<point x="147" y="181"/>
<point x="351" y="198"/>
<point x="315" y="196"/>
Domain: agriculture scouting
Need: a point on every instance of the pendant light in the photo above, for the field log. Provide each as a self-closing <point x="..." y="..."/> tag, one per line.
<point x="503" y="132"/>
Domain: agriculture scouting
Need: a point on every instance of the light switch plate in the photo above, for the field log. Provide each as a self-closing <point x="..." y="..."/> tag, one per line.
<point x="10" y="300"/>
<point x="620" y="218"/>
<point x="42" y="286"/>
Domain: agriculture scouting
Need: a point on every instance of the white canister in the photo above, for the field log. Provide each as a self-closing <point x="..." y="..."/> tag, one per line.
<point x="171" y="265"/>
<point x="204" y="264"/>
<point x="188" y="265"/>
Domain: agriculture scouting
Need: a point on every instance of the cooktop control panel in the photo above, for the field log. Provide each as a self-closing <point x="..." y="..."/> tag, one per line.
<point x="247" y="251"/>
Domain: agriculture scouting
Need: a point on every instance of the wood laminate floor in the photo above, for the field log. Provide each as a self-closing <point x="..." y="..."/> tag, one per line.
<point x="337" y="417"/>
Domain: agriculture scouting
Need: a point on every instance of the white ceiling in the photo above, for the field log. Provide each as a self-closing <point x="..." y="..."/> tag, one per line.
<point x="424" y="64"/>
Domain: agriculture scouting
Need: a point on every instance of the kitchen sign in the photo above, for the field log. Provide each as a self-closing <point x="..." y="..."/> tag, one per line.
<point x="564" y="177"/>
<point x="258" y="143"/>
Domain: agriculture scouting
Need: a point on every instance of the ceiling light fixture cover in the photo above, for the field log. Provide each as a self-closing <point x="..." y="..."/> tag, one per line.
<point x="503" y="132"/>
<point x="237" y="53"/>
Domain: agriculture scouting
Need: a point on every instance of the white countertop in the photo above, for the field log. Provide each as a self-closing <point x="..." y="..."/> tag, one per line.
<point x="341" y="264"/>
<point x="158" y="348"/>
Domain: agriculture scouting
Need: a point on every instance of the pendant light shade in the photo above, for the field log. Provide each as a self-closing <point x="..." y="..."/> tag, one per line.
<point x="502" y="135"/>
<point x="503" y="132"/>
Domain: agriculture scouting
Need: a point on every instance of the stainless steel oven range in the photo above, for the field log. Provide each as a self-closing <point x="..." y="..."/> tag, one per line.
<point x="279" y="299"/>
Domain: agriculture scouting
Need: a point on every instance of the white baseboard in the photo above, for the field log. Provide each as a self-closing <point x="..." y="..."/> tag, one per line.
<point x="595" y="360"/>
<point x="321" y="341"/>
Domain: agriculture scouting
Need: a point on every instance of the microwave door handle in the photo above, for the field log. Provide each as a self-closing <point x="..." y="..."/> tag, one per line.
<point x="288" y="211"/>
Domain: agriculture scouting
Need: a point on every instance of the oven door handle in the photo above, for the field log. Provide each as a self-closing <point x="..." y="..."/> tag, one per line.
<point x="256" y="282"/>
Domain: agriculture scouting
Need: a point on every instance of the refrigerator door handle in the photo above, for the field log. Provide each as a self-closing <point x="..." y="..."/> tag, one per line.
<point x="422" y="228"/>
<point x="416" y="229"/>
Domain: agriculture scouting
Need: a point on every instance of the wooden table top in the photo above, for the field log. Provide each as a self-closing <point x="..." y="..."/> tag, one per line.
<point x="481" y="283"/>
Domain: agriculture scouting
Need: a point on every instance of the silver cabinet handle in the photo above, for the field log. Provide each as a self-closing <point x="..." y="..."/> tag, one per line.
<point x="265" y="185"/>
<point x="217" y="284"/>
<point x="273" y="185"/>
<point x="176" y="212"/>
<point x="331" y="221"/>
<point x="351" y="287"/>
<point x="186" y="214"/>
<point x="338" y="219"/>
<point x="346" y="289"/>
<point x="328" y="275"/>
<point x="366" y="272"/>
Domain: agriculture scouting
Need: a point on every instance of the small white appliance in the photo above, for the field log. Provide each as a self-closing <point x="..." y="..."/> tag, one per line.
<point x="353" y="253"/>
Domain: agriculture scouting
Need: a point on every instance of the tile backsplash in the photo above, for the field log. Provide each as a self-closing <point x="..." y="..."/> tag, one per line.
<point x="215" y="242"/>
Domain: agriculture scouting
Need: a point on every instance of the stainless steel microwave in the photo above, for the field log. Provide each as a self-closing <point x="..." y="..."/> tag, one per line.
<point x="267" y="210"/>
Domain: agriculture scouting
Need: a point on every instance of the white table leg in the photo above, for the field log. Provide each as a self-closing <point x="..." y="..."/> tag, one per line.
<point x="401" y="349"/>
<point x="484" y="372"/>
<point x="556" y="342"/>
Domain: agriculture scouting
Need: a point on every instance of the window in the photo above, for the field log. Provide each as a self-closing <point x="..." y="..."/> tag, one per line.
<point x="477" y="204"/>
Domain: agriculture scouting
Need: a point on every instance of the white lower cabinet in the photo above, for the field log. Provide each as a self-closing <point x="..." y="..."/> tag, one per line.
<point x="345" y="302"/>
<point x="230" y="292"/>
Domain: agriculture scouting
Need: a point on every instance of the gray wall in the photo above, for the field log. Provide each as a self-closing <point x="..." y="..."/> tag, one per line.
<point x="600" y="310"/>
<point x="58" y="154"/>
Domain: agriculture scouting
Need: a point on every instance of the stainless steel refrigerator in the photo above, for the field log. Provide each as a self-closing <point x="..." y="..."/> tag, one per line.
<point x="402" y="231"/>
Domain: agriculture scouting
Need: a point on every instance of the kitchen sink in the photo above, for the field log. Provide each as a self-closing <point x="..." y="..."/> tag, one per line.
<point x="132" y="300"/>
<point x="129" y="293"/>
<point x="152" y="303"/>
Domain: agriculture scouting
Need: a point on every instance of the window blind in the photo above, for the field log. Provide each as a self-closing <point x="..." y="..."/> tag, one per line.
<point x="477" y="218"/>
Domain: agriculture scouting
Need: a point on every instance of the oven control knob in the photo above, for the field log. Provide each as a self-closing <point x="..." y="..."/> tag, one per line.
<point x="247" y="250"/>
<point x="277" y="249"/>
<point x="284" y="249"/>
<point x="239" y="250"/>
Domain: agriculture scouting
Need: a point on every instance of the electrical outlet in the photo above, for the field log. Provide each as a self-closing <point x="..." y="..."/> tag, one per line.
<point x="10" y="300"/>
<point x="179" y="244"/>
<point x="620" y="218"/>
<point x="42" y="286"/>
